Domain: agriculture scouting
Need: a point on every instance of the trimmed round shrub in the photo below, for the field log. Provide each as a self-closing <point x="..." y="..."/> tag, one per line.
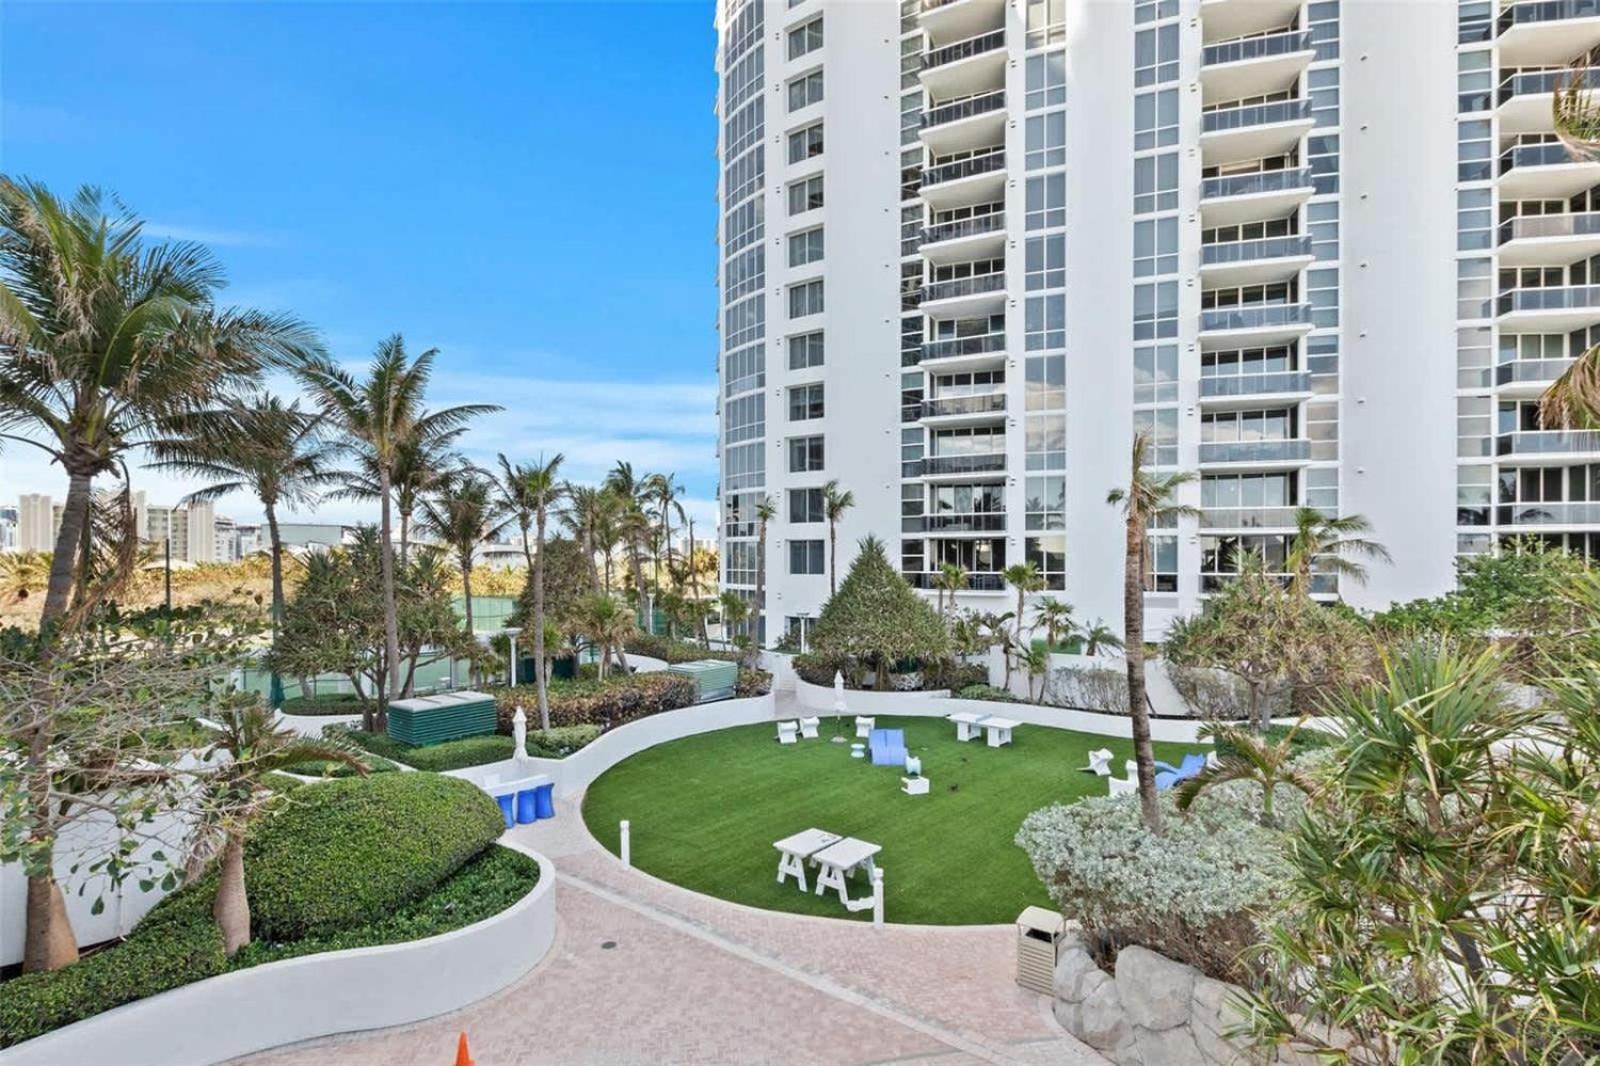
<point x="333" y="703"/>
<point x="350" y="851"/>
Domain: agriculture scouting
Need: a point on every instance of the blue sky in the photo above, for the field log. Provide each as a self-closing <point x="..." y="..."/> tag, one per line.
<point x="530" y="187"/>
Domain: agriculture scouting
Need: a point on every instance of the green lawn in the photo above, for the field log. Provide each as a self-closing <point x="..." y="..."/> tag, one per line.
<point x="706" y="809"/>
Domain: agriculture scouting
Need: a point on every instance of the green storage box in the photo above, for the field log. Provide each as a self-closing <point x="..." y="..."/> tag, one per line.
<point x="713" y="678"/>
<point x="447" y="716"/>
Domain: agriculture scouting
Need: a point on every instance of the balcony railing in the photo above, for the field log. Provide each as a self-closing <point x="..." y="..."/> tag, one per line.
<point x="959" y="50"/>
<point x="973" y="286"/>
<point x="1547" y="442"/>
<point x="1560" y="513"/>
<point x="1259" y="182"/>
<point x="964" y="522"/>
<point x="957" y="110"/>
<point x="1321" y="584"/>
<point x="1556" y="298"/>
<point x="1545" y="11"/>
<point x="1247" y="517"/>
<point x="1535" y="155"/>
<point x="963" y="464"/>
<point x="993" y="222"/>
<point x="1235" y="118"/>
<point x="1261" y="316"/>
<point x="964" y="168"/>
<point x="1582" y="224"/>
<point x="1543" y="82"/>
<point x="1530" y="370"/>
<point x="1293" y="450"/>
<point x="979" y="582"/>
<point x="1262" y="248"/>
<point x="984" y="404"/>
<point x="1272" y="44"/>
<point x="980" y="344"/>
<point x="1256" y="384"/>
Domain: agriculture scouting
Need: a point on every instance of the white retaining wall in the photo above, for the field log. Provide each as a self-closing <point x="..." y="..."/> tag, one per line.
<point x="930" y="705"/>
<point x="311" y="725"/>
<point x="574" y="773"/>
<point x="1164" y="698"/>
<point x="315" y="995"/>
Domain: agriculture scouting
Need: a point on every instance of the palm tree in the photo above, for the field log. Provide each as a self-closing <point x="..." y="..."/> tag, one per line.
<point x="254" y="746"/>
<point x="952" y="578"/>
<point x="103" y="339"/>
<point x="1055" y="618"/>
<point x="1036" y="661"/>
<point x="538" y="484"/>
<point x="834" y="505"/>
<point x="1148" y="498"/>
<point x="1247" y="756"/>
<point x="1025" y="578"/>
<point x="582" y="517"/>
<point x="765" y="512"/>
<point x="256" y="444"/>
<point x="633" y="524"/>
<point x="735" y="609"/>
<point x="1326" y="543"/>
<point x="381" y="414"/>
<point x="462" y="514"/>
<point x="1097" y="635"/>
<point x="665" y="492"/>
<point x="607" y="622"/>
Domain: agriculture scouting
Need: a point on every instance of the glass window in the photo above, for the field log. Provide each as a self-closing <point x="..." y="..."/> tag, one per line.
<point x="805" y="247"/>
<point x="1155" y="119"/>
<point x="1047" y="80"/>
<point x="805" y="402"/>
<point x="808" y="557"/>
<point x="805" y="143"/>
<point x="805" y="91"/>
<point x="805" y="38"/>
<point x="805" y="454"/>
<point x="1047" y="200"/>
<point x="805" y="350"/>
<point x="805" y="505"/>
<point x="805" y="195"/>
<point x="1155" y="247"/>
<point x="805" y="298"/>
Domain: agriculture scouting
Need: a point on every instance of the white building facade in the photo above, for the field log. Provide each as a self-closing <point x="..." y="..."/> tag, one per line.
<point x="1325" y="253"/>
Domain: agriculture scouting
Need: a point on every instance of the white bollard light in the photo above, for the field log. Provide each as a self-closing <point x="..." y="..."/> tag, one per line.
<point x="519" y="735"/>
<point x="877" y="897"/>
<point x="626" y="858"/>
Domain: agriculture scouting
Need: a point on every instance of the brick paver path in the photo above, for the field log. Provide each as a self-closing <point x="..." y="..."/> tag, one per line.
<point x="644" y="971"/>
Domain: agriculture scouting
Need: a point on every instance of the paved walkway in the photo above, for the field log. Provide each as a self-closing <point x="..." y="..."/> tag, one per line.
<point x="644" y="971"/>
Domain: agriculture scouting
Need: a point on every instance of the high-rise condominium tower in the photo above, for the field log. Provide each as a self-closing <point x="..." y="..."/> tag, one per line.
<point x="1324" y="253"/>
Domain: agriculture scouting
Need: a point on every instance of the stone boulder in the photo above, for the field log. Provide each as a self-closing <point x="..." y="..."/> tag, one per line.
<point x="1155" y="991"/>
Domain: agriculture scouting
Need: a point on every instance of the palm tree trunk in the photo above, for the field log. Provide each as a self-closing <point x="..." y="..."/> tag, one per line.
<point x="63" y="562"/>
<point x="231" y="908"/>
<point x="538" y="622"/>
<point x="466" y="596"/>
<point x="48" y="942"/>
<point x="391" y="623"/>
<point x="275" y="542"/>
<point x="833" y="559"/>
<point x="405" y="534"/>
<point x="758" y="617"/>
<point x="1133" y="613"/>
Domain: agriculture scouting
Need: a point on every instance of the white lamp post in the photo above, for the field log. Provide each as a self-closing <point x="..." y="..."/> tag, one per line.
<point x="511" y="632"/>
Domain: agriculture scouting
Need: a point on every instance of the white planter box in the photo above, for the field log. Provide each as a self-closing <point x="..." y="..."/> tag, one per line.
<point x="914" y="786"/>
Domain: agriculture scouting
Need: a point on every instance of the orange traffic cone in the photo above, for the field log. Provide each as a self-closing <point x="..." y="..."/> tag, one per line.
<point x="463" y="1056"/>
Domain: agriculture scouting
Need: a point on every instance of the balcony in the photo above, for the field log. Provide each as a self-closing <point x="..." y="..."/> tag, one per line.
<point x="964" y="353"/>
<point x="1547" y="239"/>
<point x="964" y="410"/>
<point x="1321" y="584"/>
<point x="1232" y="518"/>
<point x="1289" y="452"/>
<point x="1221" y="20"/>
<point x="955" y="20"/>
<point x="1253" y="131"/>
<point x="979" y="178"/>
<point x="964" y="67"/>
<point x="1553" y="513"/>
<point x="1548" y="310"/>
<point x="966" y="239"/>
<point x="1528" y="377"/>
<point x="1542" y="445"/>
<point x="1230" y="263"/>
<point x="1233" y="198"/>
<point x="951" y="522"/>
<point x="1524" y="101"/>
<point x="966" y="124"/>
<point x="980" y="294"/>
<point x="960" y="466"/>
<point x="1248" y="389"/>
<point x="1544" y="172"/>
<point x="1254" y="66"/>
<point x="1252" y="325"/>
<point x="976" y="582"/>
<point x="1546" y="32"/>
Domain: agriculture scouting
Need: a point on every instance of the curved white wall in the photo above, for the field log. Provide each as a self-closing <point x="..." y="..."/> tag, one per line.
<point x="316" y="995"/>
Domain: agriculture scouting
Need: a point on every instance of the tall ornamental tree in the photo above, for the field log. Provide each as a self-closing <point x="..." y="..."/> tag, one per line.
<point x="103" y="338"/>
<point x="531" y="490"/>
<point x="765" y="511"/>
<point x="1148" y="498"/>
<point x="632" y="523"/>
<point x="877" y="619"/>
<point x="463" y="513"/>
<point x="380" y="414"/>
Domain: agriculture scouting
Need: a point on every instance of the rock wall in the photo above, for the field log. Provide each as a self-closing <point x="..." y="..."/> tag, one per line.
<point x="1154" y="1012"/>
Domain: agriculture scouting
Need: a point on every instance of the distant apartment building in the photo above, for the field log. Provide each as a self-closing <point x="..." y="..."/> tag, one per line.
<point x="227" y="540"/>
<point x="36" y="528"/>
<point x="191" y="528"/>
<point x="248" y="539"/>
<point x="8" y="529"/>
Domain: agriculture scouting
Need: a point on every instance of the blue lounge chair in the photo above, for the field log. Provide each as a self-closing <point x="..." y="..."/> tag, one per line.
<point x="1171" y="775"/>
<point x="887" y="747"/>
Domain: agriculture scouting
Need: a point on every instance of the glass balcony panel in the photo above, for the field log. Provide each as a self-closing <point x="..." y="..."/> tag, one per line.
<point x="964" y="168"/>
<point x="1234" y="118"/>
<point x="1262" y="181"/>
<point x="973" y="286"/>
<point x="1272" y="44"/>
<point x="1256" y="384"/>
<point x="1255" y="451"/>
<point x="1249" y="251"/>
<point x="972" y="46"/>
<point x="1261" y="316"/>
<point x="964" y="405"/>
<point x="966" y="227"/>
<point x="957" y="110"/>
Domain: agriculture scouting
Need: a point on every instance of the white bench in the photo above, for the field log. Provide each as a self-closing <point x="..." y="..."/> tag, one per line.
<point x="808" y="728"/>
<point x="793" y="852"/>
<point x="788" y="732"/>
<point x="838" y="861"/>
<point x="998" y="730"/>
<point x="968" y="725"/>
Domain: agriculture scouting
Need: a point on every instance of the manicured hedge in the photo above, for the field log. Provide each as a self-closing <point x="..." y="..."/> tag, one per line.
<point x="987" y="692"/>
<point x="618" y="699"/>
<point x="448" y="755"/>
<point x="559" y="741"/>
<point x="329" y="768"/>
<point x="671" y="650"/>
<point x="428" y="871"/>
<point x="752" y="683"/>
<point x="334" y="703"/>
<point x="349" y="852"/>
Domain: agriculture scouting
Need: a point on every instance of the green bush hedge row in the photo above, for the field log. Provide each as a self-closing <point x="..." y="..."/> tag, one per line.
<point x="618" y="699"/>
<point x="329" y="768"/>
<point x="329" y="832"/>
<point x="818" y="669"/>
<point x="334" y="703"/>
<point x="986" y="692"/>
<point x="752" y="683"/>
<point x="555" y="743"/>
<point x="672" y="650"/>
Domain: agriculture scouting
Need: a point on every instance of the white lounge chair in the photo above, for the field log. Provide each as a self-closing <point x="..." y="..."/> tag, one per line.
<point x="1118" y="785"/>
<point x="1099" y="763"/>
<point x="788" y="732"/>
<point x="864" y="726"/>
<point x="808" y="728"/>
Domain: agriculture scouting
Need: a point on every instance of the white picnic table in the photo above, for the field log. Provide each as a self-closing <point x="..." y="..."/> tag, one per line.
<point x="838" y="861"/>
<point x="967" y="725"/>
<point x="793" y="851"/>
<point x="998" y="730"/>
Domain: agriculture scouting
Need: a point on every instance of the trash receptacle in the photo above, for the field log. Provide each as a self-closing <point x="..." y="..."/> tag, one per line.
<point x="1039" y="934"/>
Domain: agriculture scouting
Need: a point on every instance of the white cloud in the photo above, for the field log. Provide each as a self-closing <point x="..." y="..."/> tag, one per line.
<point x="220" y="238"/>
